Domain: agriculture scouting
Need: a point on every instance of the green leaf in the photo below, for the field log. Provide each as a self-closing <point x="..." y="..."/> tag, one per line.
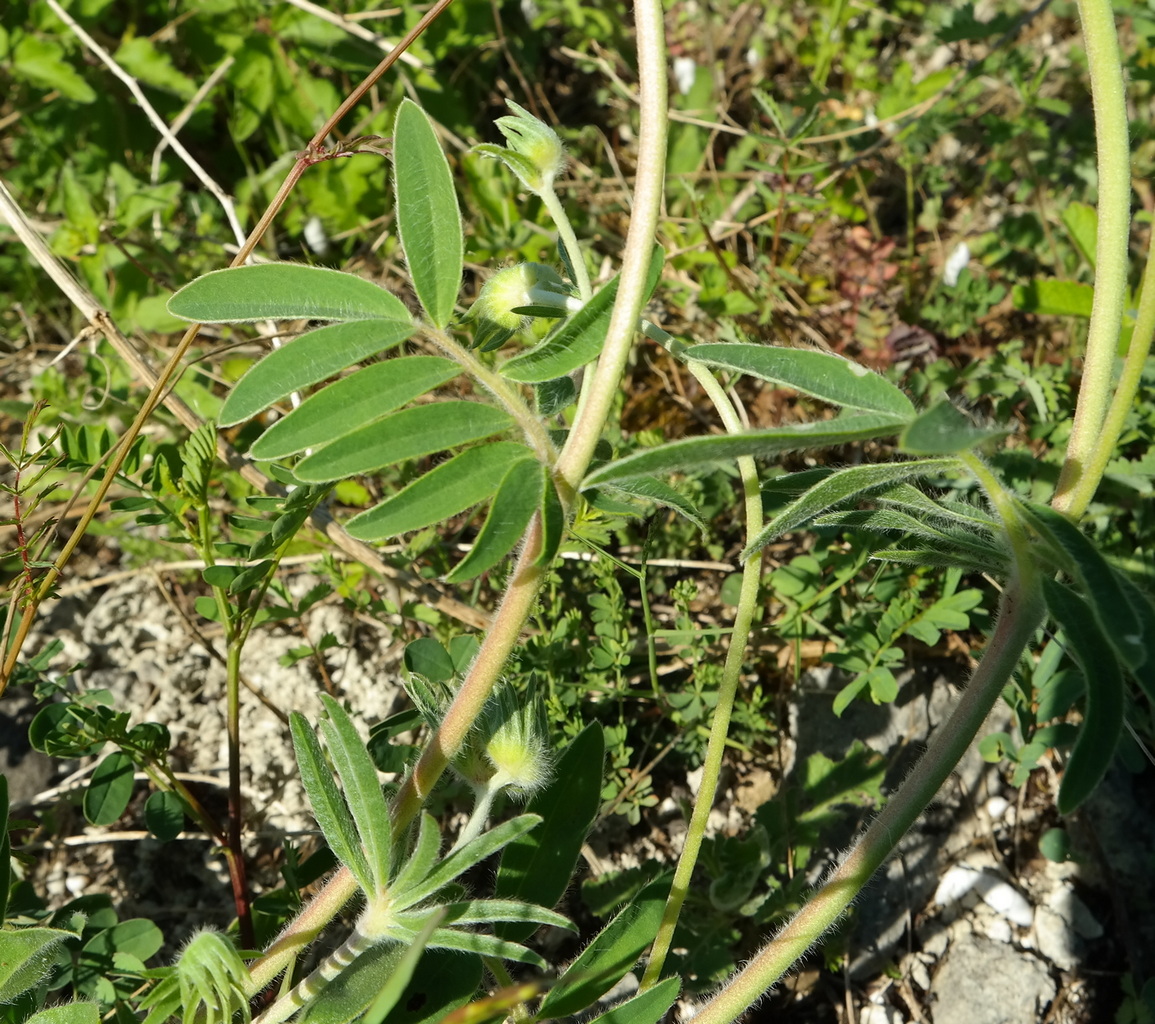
<point x="164" y="815"/>
<point x="486" y="911"/>
<point x="139" y="56"/>
<point x="651" y="489"/>
<point x="109" y="789"/>
<point x="5" y="849"/>
<point x="574" y="342"/>
<point x="703" y="451"/>
<point x="943" y="430"/>
<point x="821" y="375"/>
<point x="420" y="861"/>
<point x="461" y="482"/>
<point x="645" y="1008"/>
<point x="552" y="521"/>
<point x="1103" y="708"/>
<point x="284" y="291"/>
<point x="41" y="62"/>
<point x="428" y="218"/>
<point x="329" y="808"/>
<point x="538" y="867"/>
<point x="307" y="360"/>
<point x="362" y="790"/>
<point x="69" y="1013"/>
<point x="518" y="496"/>
<point x="352" y="402"/>
<point x="407" y="434"/>
<point x="443" y="981"/>
<point x="1082" y="224"/>
<point x="485" y="945"/>
<point x="1141" y="607"/>
<point x="842" y="486"/>
<point x="1048" y="296"/>
<point x="400" y="976"/>
<point x="610" y="955"/>
<point x="426" y="657"/>
<point x="357" y="987"/>
<point x="1109" y="599"/>
<point x="26" y="959"/>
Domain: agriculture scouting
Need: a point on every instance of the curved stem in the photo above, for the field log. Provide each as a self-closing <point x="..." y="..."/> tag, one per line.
<point x="1114" y="166"/>
<point x="569" y="243"/>
<point x="1020" y="614"/>
<point x="727" y="689"/>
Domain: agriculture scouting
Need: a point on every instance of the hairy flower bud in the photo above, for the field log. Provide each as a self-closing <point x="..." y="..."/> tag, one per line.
<point x="527" y="286"/>
<point x="533" y="150"/>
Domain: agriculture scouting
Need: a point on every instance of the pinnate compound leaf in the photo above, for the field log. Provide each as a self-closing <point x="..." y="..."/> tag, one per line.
<point x="943" y="430"/>
<point x="407" y="434"/>
<point x="1103" y="707"/>
<point x="518" y="497"/>
<point x="308" y="360"/>
<point x="842" y="486"/>
<point x="1109" y="599"/>
<point x="457" y="484"/>
<point x="821" y="375"/>
<point x="26" y="958"/>
<point x="693" y="452"/>
<point x="109" y="789"/>
<point x="538" y="867"/>
<point x="283" y="291"/>
<point x="428" y="217"/>
<point x="362" y="788"/>
<point x="645" y="1008"/>
<point x="329" y="807"/>
<point x="611" y="954"/>
<point x="352" y="402"/>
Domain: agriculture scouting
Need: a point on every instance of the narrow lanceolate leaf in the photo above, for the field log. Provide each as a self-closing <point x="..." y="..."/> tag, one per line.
<point x="329" y="807"/>
<point x="978" y="548"/>
<point x="350" y="403"/>
<point x="918" y="503"/>
<point x="355" y="989"/>
<point x="283" y="291"/>
<point x="647" y="1008"/>
<point x="400" y="975"/>
<point x="486" y="945"/>
<point x="843" y="486"/>
<point x="552" y="521"/>
<point x="428" y="217"/>
<point x="538" y="866"/>
<point x="573" y="343"/>
<point x="1103" y="707"/>
<point x="1144" y="612"/>
<point x="474" y="852"/>
<point x="420" y="861"/>
<point x="651" y="489"/>
<point x="26" y="958"/>
<point x="308" y="360"/>
<point x="821" y="375"/>
<point x="610" y="955"/>
<point x="702" y="451"/>
<point x="109" y="789"/>
<point x="943" y="430"/>
<point x="407" y="434"/>
<point x="455" y="485"/>
<point x="362" y="790"/>
<point x="484" y="911"/>
<point x="69" y="1013"/>
<point x="518" y="497"/>
<point x="1116" y="614"/>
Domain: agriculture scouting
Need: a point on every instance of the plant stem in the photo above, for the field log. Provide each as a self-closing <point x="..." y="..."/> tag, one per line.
<point x="1020" y="613"/>
<point x="1114" y="207"/>
<point x="602" y="387"/>
<point x="727" y="689"/>
<point x="568" y="241"/>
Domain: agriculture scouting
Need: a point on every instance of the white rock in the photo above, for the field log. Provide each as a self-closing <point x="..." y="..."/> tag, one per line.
<point x="955" y="264"/>
<point x="685" y="71"/>
<point x="1075" y="912"/>
<point x="996" y="807"/>
<point x="955" y="884"/>
<point x="1005" y="899"/>
<point x="1055" y="938"/>
<point x="880" y="1015"/>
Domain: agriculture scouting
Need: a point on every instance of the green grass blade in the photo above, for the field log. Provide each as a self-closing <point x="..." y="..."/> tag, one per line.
<point x="283" y="291"/>
<point x="704" y="451"/>
<point x="461" y="482"/>
<point x="407" y="434"/>
<point x="326" y="802"/>
<point x="308" y="360"/>
<point x="518" y="496"/>
<point x="352" y="402"/>
<point x="821" y="375"/>
<point x="362" y="790"/>
<point x="1103" y="707"/>
<point x="428" y="217"/>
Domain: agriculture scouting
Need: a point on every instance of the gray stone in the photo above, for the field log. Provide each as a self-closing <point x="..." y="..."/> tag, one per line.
<point x="982" y="982"/>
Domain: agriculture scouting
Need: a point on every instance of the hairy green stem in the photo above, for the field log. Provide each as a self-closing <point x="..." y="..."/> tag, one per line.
<point x="1020" y="614"/>
<point x="727" y="689"/>
<point x="602" y="386"/>
<point x="1114" y="167"/>
<point x="567" y="239"/>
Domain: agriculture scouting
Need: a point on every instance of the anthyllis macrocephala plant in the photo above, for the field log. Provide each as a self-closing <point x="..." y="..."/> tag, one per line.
<point x="523" y="443"/>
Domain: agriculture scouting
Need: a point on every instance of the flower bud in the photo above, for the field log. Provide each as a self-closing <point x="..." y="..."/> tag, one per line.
<point x="533" y="150"/>
<point x="525" y="286"/>
<point x="518" y="743"/>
